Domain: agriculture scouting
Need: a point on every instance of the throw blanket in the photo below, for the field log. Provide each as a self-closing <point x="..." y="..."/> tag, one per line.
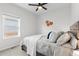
<point x="30" y="43"/>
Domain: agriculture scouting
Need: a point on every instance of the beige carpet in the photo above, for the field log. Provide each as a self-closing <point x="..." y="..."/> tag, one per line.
<point x="16" y="51"/>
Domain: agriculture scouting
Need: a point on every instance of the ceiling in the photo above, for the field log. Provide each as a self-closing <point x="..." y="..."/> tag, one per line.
<point x="49" y="6"/>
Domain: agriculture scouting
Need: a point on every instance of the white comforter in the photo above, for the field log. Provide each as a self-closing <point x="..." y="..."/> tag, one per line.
<point x="52" y="49"/>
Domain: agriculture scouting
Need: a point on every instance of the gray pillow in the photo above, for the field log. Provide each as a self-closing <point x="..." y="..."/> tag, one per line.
<point x="67" y="45"/>
<point x="58" y="35"/>
<point x="63" y="39"/>
<point x="73" y="33"/>
<point x="73" y="41"/>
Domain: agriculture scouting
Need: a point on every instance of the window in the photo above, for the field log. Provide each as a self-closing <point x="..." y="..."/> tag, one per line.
<point x="11" y="26"/>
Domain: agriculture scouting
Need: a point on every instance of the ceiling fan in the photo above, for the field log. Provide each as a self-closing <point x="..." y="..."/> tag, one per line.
<point x="39" y="6"/>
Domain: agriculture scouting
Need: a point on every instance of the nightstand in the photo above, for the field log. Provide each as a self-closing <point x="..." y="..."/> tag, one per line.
<point x="76" y="52"/>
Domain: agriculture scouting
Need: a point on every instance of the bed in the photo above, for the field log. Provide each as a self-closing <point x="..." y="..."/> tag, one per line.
<point x="38" y="45"/>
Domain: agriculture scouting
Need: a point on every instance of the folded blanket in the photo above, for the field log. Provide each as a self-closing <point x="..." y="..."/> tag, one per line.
<point x="30" y="42"/>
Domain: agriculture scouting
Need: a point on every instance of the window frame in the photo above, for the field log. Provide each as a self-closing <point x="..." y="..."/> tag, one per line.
<point x="4" y="17"/>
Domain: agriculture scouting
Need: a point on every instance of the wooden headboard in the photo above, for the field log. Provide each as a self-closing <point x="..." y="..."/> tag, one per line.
<point x="75" y="27"/>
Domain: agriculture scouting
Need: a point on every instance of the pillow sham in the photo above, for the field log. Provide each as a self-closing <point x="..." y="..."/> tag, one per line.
<point x="53" y="36"/>
<point x="67" y="45"/>
<point x="48" y="36"/>
<point x="58" y="35"/>
<point x="63" y="39"/>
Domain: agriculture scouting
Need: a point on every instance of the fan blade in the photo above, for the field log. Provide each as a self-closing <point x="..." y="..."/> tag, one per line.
<point x="33" y="5"/>
<point x="37" y="9"/>
<point x="44" y="8"/>
<point x="43" y="3"/>
<point x="39" y="3"/>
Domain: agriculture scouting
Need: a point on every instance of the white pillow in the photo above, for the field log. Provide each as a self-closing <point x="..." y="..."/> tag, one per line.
<point x="53" y="37"/>
<point x="63" y="39"/>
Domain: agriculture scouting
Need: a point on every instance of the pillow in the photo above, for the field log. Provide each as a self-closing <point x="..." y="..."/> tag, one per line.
<point x="73" y="33"/>
<point x="73" y="41"/>
<point x="67" y="45"/>
<point x="59" y="34"/>
<point x="53" y="36"/>
<point x="48" y="36"/>
<point x="63" y="39"/>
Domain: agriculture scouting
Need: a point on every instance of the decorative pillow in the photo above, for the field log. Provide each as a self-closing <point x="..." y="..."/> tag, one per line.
<point x="73" y="33"/>
<point x="63" y="39"/>
<point x="58" y="35"/>
<point x="67" y="45"/>
<point x="73" y="41"/>
<point x="53" y="36"/>
<point x="48" y="36"/>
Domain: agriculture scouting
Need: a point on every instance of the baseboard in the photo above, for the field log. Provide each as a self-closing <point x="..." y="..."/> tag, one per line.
<point x="11" y="47"/>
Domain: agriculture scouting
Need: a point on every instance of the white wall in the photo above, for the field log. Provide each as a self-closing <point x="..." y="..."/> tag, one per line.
<point x="75" y="12"/>
<point x="28" y="24"/>
<point x="61" y="18"/>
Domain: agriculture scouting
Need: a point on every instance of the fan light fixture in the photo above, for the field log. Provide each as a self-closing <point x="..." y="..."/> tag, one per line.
<point x="39" y="7"/>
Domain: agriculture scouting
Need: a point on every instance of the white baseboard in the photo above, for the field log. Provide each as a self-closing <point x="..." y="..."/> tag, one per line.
<point x="10" y="47"/>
